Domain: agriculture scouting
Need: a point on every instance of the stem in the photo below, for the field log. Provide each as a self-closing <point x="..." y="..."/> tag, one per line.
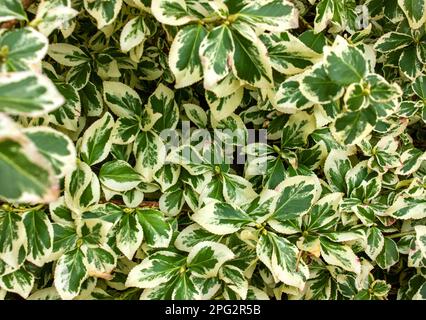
<point x="401" y="234"/>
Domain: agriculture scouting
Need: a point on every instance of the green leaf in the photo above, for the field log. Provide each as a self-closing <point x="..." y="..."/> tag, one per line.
<point x="221" y="218"/>
<point x="129" y="235"/>
<point x="205" y="258"/>
<point x="133" y="34"/>
<point x="25" y="47"/>
<point x="29" y="176"/>
<point x="250" y="63"/>
<point x="70" y="273"/>
<point x="39" y="232"/>
<point x="118" y="175"/>
<point x="67" y="54"/>
<point x="12" y="9"/>
<point x="389" y="255"/>
<point x="295" y="197"/>
<point x="20" y="281"/>
<point x="28" y="93"/>
<point x="375" y="242"/>
<point x="216" y="51"/>
<point x="155" y="270"/>
<point x="56" y="147"/>
<point x="280" y="257"/>
<point x="172" y="12"/>
<point x="157" y="231"/>
<point x="96" y="141"/>
<point x="393" y="41"/>
<point x="339" y="255"/>
<point x="271" y="15"/>
<point x="164" y="107"/>
<point x="415" y="11"/>
<point x="317" y="86"/>
<point x="68" y="115"/>
<point x="297" y="130"/>
<point x="104" y="12"/>
<point x="100" y="261"/>
<point x="13" y="239"/>
<point x="335" y="168"/>
<point x="150" y="154"/>
<point x="122" y="100"/>
<point x="184" y="59"/>
<point x="345" y="64"/>
<point x="191" y="235"/>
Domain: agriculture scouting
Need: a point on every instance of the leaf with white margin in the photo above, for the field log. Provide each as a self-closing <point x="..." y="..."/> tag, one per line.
<point x="11" y="10"/>
<point x="415" y="11"/>
<point x="339" y="255"/>
<point x="76" y="183"/>
<point x="96" y="143"/>
<point x="184" y="59"/>
<point x="165" y="109"/>
<point x="172" y="201"/>
<point x="221" y="218"/>
<point x="20" y="281"/>
<point x="69" y="114"/>
<point x="100" y="261"/>
<point x="118" y="175"/>
<point x="157" y="231"/>
<point x="271" y="15"/>
<point x="375" y="242"/>
<point x="155" y="270"/>
<point x="421" y="238"/>
<point x="221" y="108"/>
<point x="345" y="64"/>
<point x="196" y="114"/>
<point x="205" y="258"/>
<point x="129" y="235"/>
<point x="70" y="273"/>
<point x="122" y="100"/>
<point x="297" y="130"/>
<point x="411" y="161"/>
<point x="133" y="198"/>
<point x="324" y="215"/>
<point x="79" y="76"/>
<point x="104" y="12"/>
<point x="28" y="93"/>
<point x="133" y="34"/>
<point x="289" y="98"/>
<point x="352" y="127"/>
<point x="29" y="175"/>
<point x="317" y="86"/>
<point x="184" y="288"/>
<point x="192" y="235"/>
<point x="150" y="154"/>
<point x="336" y="166"/>
<point x="13" y="239"/>
<point x="39" y="232"/>
<point x="406" y="207"/>
<point x="26" y="47"/>
<point x="389" y="255"/>
<point x="52" y="15"/>
<point x="280" y="257"/>
<point x="234" y="279"/>
<point x="216" y="51"/>
<point x="393" y="41"/>
<point x="288" y="54"/>
<point x="250" y="60"/>
<point x="67" y="54"/>
<point x="56" y="147"/>
<point x="296" y="196"/>
<point x="237" y="190"/>
<point x="171" y="12"/>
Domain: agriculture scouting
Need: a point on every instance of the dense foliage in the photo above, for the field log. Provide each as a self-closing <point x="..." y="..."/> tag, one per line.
<point x="121" y="122"/>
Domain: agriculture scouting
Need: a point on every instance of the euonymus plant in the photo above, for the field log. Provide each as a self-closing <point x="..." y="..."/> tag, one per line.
<point x="213" y="149"/>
